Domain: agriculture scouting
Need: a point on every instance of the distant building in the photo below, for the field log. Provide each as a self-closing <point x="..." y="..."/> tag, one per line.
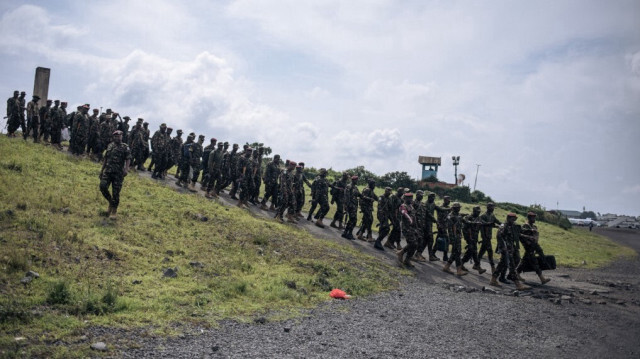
<point x="429" y="166"/>
<point x="570" y="213"/>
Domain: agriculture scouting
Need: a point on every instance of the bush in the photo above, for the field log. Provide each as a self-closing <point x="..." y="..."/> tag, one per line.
<point x="16" y="262"/>
<point x="59" y="293"/>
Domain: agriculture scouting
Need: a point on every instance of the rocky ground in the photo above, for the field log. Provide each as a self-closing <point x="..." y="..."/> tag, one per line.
<point x="580" y="313"/>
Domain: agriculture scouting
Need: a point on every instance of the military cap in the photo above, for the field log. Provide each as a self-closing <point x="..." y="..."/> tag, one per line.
<point x="235" y="145"/>
<point x="127" y="118"/>
<point x="419" y="192"/>
<point x="476" y="208"/>
<point x="179" y="131"/>
<point x="220" y="144"/>
<point x="57" y="101"/>
<point x="531" y="214"/>
<point x="322" y="170"/>
<point x="291" y="163"/>
<point x="86" y="106"/>
<point x="23" y="93"/>
<point x="140" y="119"/>
<point x="169" y="129"/>
<point x="62" y="103"/>
<point x="36" y="97"/>
<point x="108" y="110"/>
<point x="16" y="92"/>
<point x="226" y="143"/>
<point x="201" y="136"/>
<point x="354" y="177"/>
<point x="146" y="123"/>
<point x="298" y="166"/>
<point x="117" y="132"/>
<point x="456" y="205"/>
<point x="163" y="125"/>
<point x="408" y="195"/>
<point x="49" y="101"/>
<point x="301" y="164"/>
<point x="96" y="110"/>
<point x="491" y="204"/>
<point x="249" y="149"/>
<point x="213" y="140"/>
<point x="446" y="197"/>
<point x="192" y="134"/>
<point x="431" y="194"/>
<point x="512" y="215"/>
<point x="388" y="189"/>
<point x="400" y="189"/>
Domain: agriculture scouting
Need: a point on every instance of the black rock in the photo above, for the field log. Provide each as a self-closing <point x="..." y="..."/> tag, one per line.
<point x="170" y="273"/>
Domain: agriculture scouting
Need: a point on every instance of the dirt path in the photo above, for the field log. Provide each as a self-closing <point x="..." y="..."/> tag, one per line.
<point x="586" y="313"/>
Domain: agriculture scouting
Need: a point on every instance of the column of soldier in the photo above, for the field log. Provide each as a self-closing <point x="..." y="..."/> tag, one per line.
<point x="399" y="215"/>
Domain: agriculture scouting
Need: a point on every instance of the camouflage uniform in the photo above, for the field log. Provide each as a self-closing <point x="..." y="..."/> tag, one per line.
<point x="45" y="121"/>
<point x="441" y="225"/>
<point x="93" y="136"/>
<point x="383" y="217"/>
<point x="80" y="131"/>
<point x="196" y="155"/>
<point x="175" y="145"/>
<point x="529" y="238"/>
<point x="488" y="221"/>
<point x="105" y="134"/>
<point x="454" y="231"/>
<point x="160" y="151"/>
<point x="257" y="176"/>
<point x="470" y="230"/>
<point x="145" y="137"/>
<point x="351" y="196"/>
<point x="507" y="238"/>
<point x="366" y="207"/>
<point x="394" y="215"/>
<point x="13" y="114"/>
<point x="245" y="170"/>
<point x="320" y="192"/>
<point x="21" y="108"/>
<point x="137" y="144"/>
<point x="420" y="210"/>
<point x="115" y="158"/>
<point x="337" y="196"/>
<point x="427" y="231"/>
<point x="205" y="162"/>
<point x="286" y="193"/>
<point x="409" y="228"/>
<point x="270" y="178"/>
<point x="57" y="122"/>
<point x="214" y="165"/>
<point x="233" y="175"/>
<point x="33" y="122"/>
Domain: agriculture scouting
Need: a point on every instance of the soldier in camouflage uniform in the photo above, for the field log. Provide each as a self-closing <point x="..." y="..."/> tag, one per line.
<point x="320" y="188"/>
<point x="271" y="174"/>
<point x="409" y="229"/>
<point x="287" y="199"/>
<point x="529" y="237"/>
<point x="441" y="225"/>
<point x="204" y="182"/>
<point x="366" y="207"/>
<point x="470" y="229"/>
<point x="45" y="121"/>
<point x="13" y="114"/>
<point x="80" y="127"/>
<point x="232" y="179"/>
<point x="337" y="196"/>
<point x="185" y="160"/>
<point x="351" y="196"/>
<point x="124" y="127"/>
<point x="393" y="241"/>
<point x="33" y="123"/>
<point x="420" y="210"/>
<point x="225" y="169"/>
<point x="93" y="135"/>
<point x="298" y="183"/>
<point x="488" y="222"/>
<point x="160" y="151"/>
<point x="114" y="168"/>
<point x="257" y="176"/>
<point x="137" y="143"/>
<point x="175" y="144"/>
<point x="22" y="106"/>
<point x="426" y="242"/>
<point x="57" y="123"/>
<point x="146" y="134"/>
<point x="245" y="179"/>
<point x="383" y="217"/>
<point x="105" y="134"/>
<point x="507" y="238"/>
<point x="214" y="165"/>
<point x="196" y="155"/>
<point x="454" y="230"/>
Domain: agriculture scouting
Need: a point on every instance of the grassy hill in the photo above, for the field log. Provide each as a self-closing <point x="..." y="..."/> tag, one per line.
<point x="95" y="272"/>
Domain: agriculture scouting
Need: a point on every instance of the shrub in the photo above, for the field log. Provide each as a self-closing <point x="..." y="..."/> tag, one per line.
<point x="59" y="293"/>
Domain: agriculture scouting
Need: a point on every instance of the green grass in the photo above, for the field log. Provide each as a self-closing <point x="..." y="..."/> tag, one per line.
<point x="52" y="221"/>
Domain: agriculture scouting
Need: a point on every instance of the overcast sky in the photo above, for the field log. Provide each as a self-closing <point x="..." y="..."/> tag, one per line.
<point x="545" y="95"/>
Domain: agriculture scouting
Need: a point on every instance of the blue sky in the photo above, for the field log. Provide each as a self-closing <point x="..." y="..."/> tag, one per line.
<point x="544" y="95"/>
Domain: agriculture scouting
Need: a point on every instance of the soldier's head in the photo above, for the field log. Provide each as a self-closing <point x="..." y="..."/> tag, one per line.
<point x="446" y="200"/>
<point x="213" y="141"/>
<point x="49" y="103"/>
<point x="63" y="104"/>
<point x="220" y="145"/>
<point x="95" y="111"/>
<point x="256" y="154"/>
<point x="511" y="218"/>
<point x="23" y="94"/>
<point x="169" y="130"/>
<point x="244" y="147"/>
<point x="301" y="164"/>
<point x="431" y="197"/>
<point x="163" y="127"/>
<point x="345" y="175"/>
<point x="16" y="93"/>
<point x="291" y="165"/>
<point x="201" y="139"/>
<point x="235" y="147"/>
<point x="84" y="108"/>
<point x="531" y="217"/>
<point x="179" y="133"/>
<point x="387" y="191"/>
<point x="126" y="118"/>
<point x="36" y="98"/>
<point x="354" y="179"/>
<point x="248" y="152"/>
<point x="408" y="197"/>
<point x="226" y="145"/>
<point x="145" y="125"/>
<point x="109" y="111"/>
<point x="490" y="207"/>
<point x="371" y="183"/>
<point x="476" y="211"/>
<point x="117" y="136"/>
<point x="322" y="172"/>
<point x="400" y="191"/>
<point x="299" y="168"/>
<point x="260" y="150"/>
<point x="191" y="137"/>
<point x="455" y="207"/>
<point x="419" y="195"/>
<point x="276" y="159"/>
<point x="56" y="103"/>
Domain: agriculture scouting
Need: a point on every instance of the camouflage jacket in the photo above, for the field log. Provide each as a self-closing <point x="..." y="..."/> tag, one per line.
<point x="80" y="125"/>
<point x="443" y="212"/>
<point x="489" y="221"/>
<point x="408" y="218"/>
<point x="529" y="234"/>
<point x="337" y="190"/>
<point x="508" y="236"/>
<point x="367" y="198"/>
<point x="420" y="210"/>
<point x="383" y="209"/>
<point x="106" y="132"/>
<point x="271" y="173"/>
<point x="429" y="209"/>
<point x="32" y="109"/>
<point x="286" y="183"/>
<point x="471" y="226"/>
<point x="115" y="158"/>
<point x="320" y="188"/>
<point x="351" y="196"/>
<point x="244" y="167"/>
<point x="160" y="142"/>
<point x="196" y="153"/>
<point x="214" y="162"/>
<point x="13" y="107"/>
<point x="394" y="206"/>
<point x="454" y="226"/>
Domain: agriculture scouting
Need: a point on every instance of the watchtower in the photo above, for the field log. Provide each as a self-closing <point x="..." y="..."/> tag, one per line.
<point x="429" y="166"/>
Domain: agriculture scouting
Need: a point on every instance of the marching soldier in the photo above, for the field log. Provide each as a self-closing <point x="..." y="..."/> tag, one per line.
<point x="408" y="219"/>
<point x="351" y="196"/>
<point x="488" y="221"/>
<point x="383" y="218"/>
<point x="366" y="207"/>
<point x="270" y="177"/>
<point x="470" y="230"/>
<point x="214" y="165"/>
<point x="114" y="168"/>
<point x="33" y="123"/>
<point x="337" y="196"/>
<point x="394" y="216"/>
<point x="529" y="237"/>
<point x="454" y="230"/>
<point x="441" y="224"/>
<point x="507" y="238"/>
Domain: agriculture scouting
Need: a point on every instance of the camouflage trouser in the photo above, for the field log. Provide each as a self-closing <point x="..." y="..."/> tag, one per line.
<point x="23" y="127"/>
<point x="367" y="220"/>
<point x="214" y="178"/>
<point x="287" y="201"/>
<point x="485" y="246"/>
<point x="115" y="181"/>
<point x="352" y="218"/>
<point x="384" y="228"/>
<point x="184" y="171"/>
<point x="396" y="232"/>
<point x="472" y="249"/>
<point x="257" y="180"/>
<point x="196" y="171"/>
<point x="323" y="201"/>
<point x="530" y="250"/>
<point x="339" y="210"/>
<point x="13" y="122"/>
<point x="299" y="200"/>
<point x="270" y="191"/>
<point x="456" y="250"/>
<point x="33" y="125"/>
<point x="160" y="160"/>
<point x="426" y="242"/>
<point x="411" y="236"/>
<point x="506" y="262"/>
<point x="79" y="143"/>
<point x="246" y="188"/>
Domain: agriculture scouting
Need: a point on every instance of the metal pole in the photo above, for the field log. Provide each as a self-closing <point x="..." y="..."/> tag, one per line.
<point x="476" y="181"/>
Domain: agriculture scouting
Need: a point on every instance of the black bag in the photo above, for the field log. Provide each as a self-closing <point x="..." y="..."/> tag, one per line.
<point x="546" y="263"/>
<point x="442" y="244"/>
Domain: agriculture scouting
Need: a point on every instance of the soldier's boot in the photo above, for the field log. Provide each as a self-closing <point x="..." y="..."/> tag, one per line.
<point x="208" y="194"/>
<point x="520" y="286"/>
<point x="493" y="268"/>
<point x="291" y="218"/>
<point x="543" y="280"/>
<point x="370" y="237"/>
<point x="309" y="217"/>
<point x="299" y="214"/>
<point x="419" y="257"/>
<point x="272" y="207"/>
<point x="447" y="268"/>
<point x="177" y="175"/>
<point x="462" y="267"/>
<point x="398" y="246"/>
<point x="359" y="236"/>
<point x="140" y="167"/>
<point x="400" y="256"/>
<point x="279" y="218"/>
<point x="263" y="206"/>
<point x="433" y="258"/>
<point x="109" y="210"/>
<point x="340" y="226"/>
<point x="240" y="203"/>
<point x="519" y="277"/>
<point x="494" y="282"/>
<point x="479" y="269"/>
<point x="378" y="245"/>
<point x="407" y="263"/>
<point x="389" y="245"/>
<point x="192" y="187"/>
<point x="460" y="272"/>
<point x="333" y="224"/>
<point x="319" y="223"/>
<point x="114" y="213"/>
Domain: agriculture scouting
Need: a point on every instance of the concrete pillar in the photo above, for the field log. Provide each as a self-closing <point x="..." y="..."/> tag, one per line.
<point x="41" y="84"/>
